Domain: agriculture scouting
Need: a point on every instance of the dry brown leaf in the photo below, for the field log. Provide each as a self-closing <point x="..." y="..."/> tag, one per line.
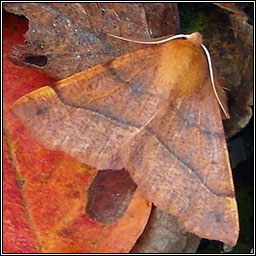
<point x="233" y="8"/>
<point x="241" y="95"/>
<point x="64" y="39"/>
<point x="72" y="37"/>
<point x="162" y="18"/>
<point x="229" y="38"/>
<point x="164" y="235"/>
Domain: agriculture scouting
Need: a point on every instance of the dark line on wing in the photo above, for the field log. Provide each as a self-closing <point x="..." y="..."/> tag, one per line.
<point x="118" y="76"/>
<point x="104" y="115"/>
<point x="202" y="130"/>
<point x="115" y="75"/>
<point x="190" y="124"/>
<point x="130" y="125"/>
<point x="190" y="167"/>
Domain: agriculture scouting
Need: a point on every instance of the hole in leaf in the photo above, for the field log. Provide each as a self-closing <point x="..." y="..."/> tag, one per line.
<point x="39" y="61"/>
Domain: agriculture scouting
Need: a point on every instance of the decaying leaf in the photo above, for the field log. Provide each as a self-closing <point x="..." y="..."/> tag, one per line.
<point x="163" y="235"/>
<point x="75" y="34"/>
<point x="162" y="19"/>
<point x="147" y="111"/>
<point x="65" y="38"/>
<point x="242" y="93"/>
<point x="233" y="8"/>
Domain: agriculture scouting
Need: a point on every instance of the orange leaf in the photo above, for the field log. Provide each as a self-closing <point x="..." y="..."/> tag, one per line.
<point x="17" y="235"/>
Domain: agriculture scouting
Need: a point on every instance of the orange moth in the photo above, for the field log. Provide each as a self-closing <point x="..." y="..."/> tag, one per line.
<point x="156" y="112"/>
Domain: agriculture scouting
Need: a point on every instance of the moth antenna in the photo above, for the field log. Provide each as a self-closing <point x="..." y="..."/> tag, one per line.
<point x="169" y="38"/>
<point x="151" y="41"/>
<point x="212" y="80"/>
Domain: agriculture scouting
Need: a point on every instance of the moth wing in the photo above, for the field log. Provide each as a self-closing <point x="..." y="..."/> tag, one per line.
<point x="93" y="114"/>
<point x="181" y="162"/>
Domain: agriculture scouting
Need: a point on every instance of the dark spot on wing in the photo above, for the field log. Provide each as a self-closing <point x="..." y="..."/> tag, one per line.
<point x="41" y="111"/>
<point x="218" y="217"/>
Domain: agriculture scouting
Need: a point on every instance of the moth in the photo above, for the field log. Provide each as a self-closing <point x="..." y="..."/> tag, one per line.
<point x="156" y="112"/>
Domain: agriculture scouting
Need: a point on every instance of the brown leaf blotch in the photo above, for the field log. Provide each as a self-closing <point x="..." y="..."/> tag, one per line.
<point x="109" y="195"/>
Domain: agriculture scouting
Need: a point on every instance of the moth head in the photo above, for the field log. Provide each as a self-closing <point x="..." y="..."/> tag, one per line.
<point x="195" y="38"/>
